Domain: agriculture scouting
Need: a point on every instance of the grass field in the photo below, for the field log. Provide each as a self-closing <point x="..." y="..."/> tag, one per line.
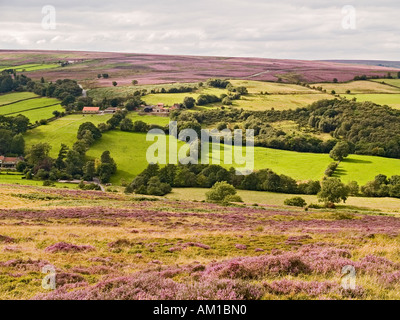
<point x="16" y="96"/>
<point x="35" y="109"/>
<point x="150" y="119"/>
<point x="127" y="149"/>
<point x="130" y="154"/>
<point x="281" y="97"/>
<point x="391" y="100"/>
<point x="13" y="178"/>
<point x="278" y="101"/>
<point x="256" y="87"/>
<point x="392" y="82"/>
<point x="31" y="67"/>
<point x="123" y="91"/>
<point x="364" y="168"/>
<point x="358" y="87"/>
<point x="277" y="199"/>
<point x="63" y="130"/>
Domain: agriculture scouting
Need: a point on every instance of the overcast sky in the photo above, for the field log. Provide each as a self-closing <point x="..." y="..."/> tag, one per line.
<point x="302" y="29"/>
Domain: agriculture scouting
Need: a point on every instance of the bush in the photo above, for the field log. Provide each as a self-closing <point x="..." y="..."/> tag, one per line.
<point x="220" y="191"/>
<point x="233" y="198"/>
<point x="295" y="202"/>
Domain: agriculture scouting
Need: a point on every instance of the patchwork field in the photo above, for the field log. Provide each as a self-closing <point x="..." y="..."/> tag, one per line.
<point x="155" y="69"/>
<point x="280" y="96"/>
<point x="112" y="246"/>
<point x="31" y="67"/>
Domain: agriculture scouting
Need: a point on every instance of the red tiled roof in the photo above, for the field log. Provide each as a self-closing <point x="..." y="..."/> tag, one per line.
<point x="9" y="159"/>
<point x="91" y="109"/>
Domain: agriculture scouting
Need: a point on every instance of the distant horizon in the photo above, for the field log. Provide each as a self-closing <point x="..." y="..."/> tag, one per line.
<point x="202" y="55"/>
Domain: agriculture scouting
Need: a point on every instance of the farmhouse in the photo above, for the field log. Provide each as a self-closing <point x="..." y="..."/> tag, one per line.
<point x="91" y="110"/>
<point x="9" y="162"/>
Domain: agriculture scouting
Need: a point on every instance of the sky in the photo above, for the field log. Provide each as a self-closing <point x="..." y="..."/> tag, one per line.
<point x="302" y="29"/>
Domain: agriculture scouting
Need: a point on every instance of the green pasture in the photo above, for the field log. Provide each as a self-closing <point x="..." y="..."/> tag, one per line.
<point x="20" y="107"/>
<point x="358" y="87"/>
<point x="391" y="100"/>
<point x="31" y="67"/>
<point x="16" y="96"/>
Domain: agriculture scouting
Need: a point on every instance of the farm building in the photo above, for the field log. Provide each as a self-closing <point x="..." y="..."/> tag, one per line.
<point x="148" y="109"/>
<point x="90" y="110"/>
<point x="110" y="110"/>
<point x="9" y="162"/>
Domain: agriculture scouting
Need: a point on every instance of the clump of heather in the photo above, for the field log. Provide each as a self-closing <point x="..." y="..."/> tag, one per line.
<point x="151" y="286"/>
<point x="197" y="244"/>
<point x="376" y="265"/>
<point x="6" y="239"/>
<point x="240" y="246"/>
<point x="312" y="289"/>
<point x="258" y="267"/>
<point x="64" y="278"/>
<point x="11" y="249"/>
<point x="391" y="278"/>
<point x="120" y="243"/>
<point x="27" y="265"/>
<point x="292" y="287"/>
<point x="68" y="247"/>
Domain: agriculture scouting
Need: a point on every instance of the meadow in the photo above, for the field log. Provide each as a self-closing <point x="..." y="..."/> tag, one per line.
<point x="114" y="246"/>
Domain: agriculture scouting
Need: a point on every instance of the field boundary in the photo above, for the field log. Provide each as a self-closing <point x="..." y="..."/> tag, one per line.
<point x="20" y="112"/>
<point x="7" y="104"/>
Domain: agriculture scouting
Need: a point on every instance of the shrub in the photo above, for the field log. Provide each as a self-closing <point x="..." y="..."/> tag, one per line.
<point x="233" y="198"/>
<point x="220" y="191"/>
<point x="295" y="202"/>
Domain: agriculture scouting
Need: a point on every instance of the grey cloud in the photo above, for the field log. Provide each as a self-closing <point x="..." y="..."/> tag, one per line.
<point x="305" y="29"/>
